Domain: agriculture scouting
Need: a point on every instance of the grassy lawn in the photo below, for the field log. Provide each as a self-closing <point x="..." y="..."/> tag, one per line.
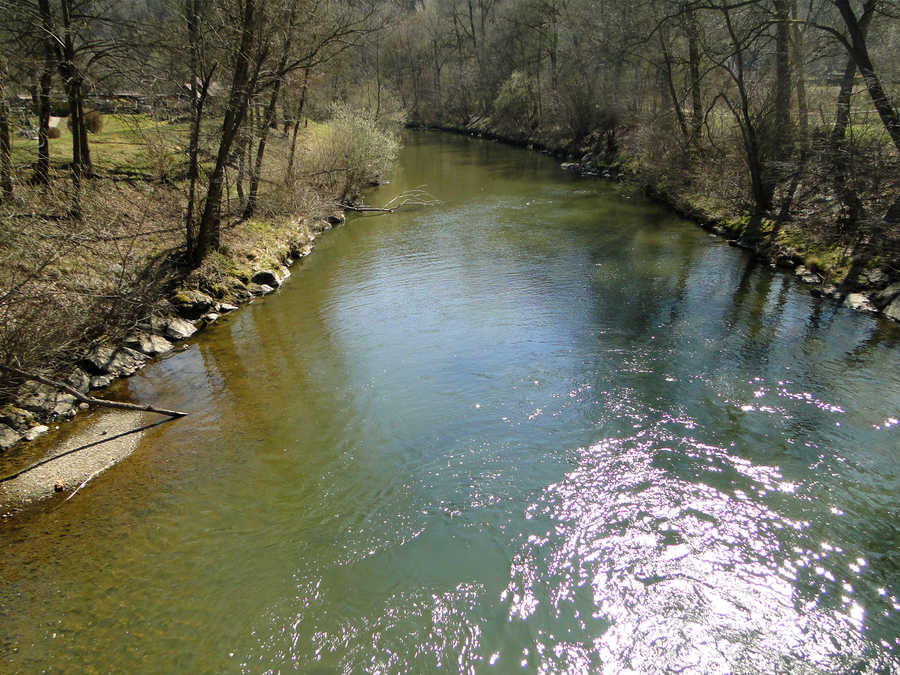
<point x="127" y="144"/>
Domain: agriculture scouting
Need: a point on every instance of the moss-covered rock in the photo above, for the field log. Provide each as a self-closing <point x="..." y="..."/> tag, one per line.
<point x="192" y="304"/>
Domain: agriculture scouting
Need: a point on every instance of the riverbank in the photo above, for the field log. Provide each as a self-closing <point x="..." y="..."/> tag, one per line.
<point x="861" y="275"/>
<point x="256" y="265"/>
<point x="90" y="295"/>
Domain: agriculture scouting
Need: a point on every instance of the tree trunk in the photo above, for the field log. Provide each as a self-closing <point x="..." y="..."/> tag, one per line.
<point x="5" y="147"/>
<point x="842" y="115"/>
<point x="42" y="169"/>
<point x="799" y="61"/>
<point x="296" y="129"/>
<point x="694" y="70"/>
<point x="236" y="108"/>
<point x="198" y="98"/>
<point x="670" y="86"/>
<point x="783" y="134"/>
<point x="72" y="83"/>
<point x="762" y="185"/>
<point x="860" y="52"/>
<point x="267" y="122"/>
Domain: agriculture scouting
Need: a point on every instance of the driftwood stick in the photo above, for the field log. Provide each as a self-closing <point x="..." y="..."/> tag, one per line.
<point x="415" y="197"/>
<point x="103" y="403"/>
<point x="86" y="481"/>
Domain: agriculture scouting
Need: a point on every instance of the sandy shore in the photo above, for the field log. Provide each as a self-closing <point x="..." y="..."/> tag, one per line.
<point x="111" y="437"/>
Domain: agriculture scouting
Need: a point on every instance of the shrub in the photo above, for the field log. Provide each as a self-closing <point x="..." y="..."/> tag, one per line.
<point x="93" y="121"/>
<point x="513" y="107"/>
<point x="351" y="152"/>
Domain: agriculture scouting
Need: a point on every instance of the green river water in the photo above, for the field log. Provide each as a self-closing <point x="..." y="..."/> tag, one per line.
<point x="542" y="427"/>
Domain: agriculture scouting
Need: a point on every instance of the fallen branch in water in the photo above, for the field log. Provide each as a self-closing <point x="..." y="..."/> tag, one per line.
<point x="102" y="403"/>
<point x="86" y="481"/>
<point x="415" y="197"/>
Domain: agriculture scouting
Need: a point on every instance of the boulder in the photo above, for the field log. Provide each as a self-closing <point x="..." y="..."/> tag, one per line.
<point x="859" y="302"/>
<point x="117" y="362"/>
<point x="806" y="275"/>
<point x="179" y="329"/>
<point x="320" y="226"/>
<point x="16" y="418"/>
<point x="788" y="257"/>
<point x="267" y="278"/>
<point x="8" y="437"/>
<point x="892" y="311"/>
<point x="875" y="277"/>
<point x="259" y="289"/>
<point x="224" y="308"/>
<point x="242" y="294"/>
<point x="80" y="380"/>
<point x="148" y="343"/>
<point x="192" y="304"/>
<point x="44" y="400"/>
<point x="212" y="317"/>
<point x="101" y="381"/>
<point x="36" y="431"/>
<point x="155" y="325"/>
<point x="273" y="278"/>
<point x="97" y="361"/>
<point x="883" y="297"/>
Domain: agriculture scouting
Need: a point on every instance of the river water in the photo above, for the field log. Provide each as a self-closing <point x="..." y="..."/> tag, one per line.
<point x="544" y="426"/>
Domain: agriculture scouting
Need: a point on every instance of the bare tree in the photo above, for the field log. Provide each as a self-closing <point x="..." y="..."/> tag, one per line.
<point x="5" y="146"/>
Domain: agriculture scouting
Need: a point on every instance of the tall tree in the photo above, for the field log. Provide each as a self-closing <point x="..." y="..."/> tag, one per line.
<point x="208" y="230"/>
<point x="6" y="184"/>
<point x="858" y="48"/>
<point x="783" y="132"/>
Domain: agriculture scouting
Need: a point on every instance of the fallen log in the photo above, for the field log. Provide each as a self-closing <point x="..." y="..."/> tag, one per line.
<point x="84" y="398"/>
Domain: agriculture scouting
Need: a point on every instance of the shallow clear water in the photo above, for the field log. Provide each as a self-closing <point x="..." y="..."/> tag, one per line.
<point x="541" y="426"/>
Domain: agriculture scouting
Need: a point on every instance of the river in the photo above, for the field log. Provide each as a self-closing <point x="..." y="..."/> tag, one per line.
<point x="545" y="425"/>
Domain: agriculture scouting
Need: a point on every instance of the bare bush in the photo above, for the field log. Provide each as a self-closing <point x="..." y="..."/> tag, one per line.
<point x="352" y="152"/>
<point x="66" y="284"/>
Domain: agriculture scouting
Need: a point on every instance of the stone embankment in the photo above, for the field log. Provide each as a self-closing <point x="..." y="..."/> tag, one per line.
<point x="176" y="319"/>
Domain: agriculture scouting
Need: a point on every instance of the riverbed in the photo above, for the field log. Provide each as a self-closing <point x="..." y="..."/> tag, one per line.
<point x="543" y="425"/>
